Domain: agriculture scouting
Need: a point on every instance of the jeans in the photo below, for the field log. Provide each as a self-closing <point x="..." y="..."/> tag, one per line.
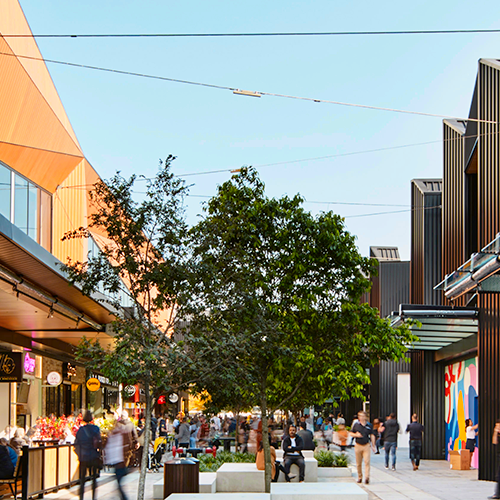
<point x="120" y="473"/>
<point x="295" y="459"/>
<point x="83" y="472"/>
<point x="390" y="445"/>
<point x="415" y="450"/>
<point x="192" y="442"/>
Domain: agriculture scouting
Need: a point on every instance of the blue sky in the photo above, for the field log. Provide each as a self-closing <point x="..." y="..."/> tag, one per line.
<point x="127" y="123"/>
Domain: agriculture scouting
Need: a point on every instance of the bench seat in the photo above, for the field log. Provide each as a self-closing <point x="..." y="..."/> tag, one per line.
<point x="318" y="491"/>
<point x="207" y="485"/>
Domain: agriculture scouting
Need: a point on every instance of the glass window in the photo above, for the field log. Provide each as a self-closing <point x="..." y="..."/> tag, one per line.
<point x="45" y="230"/>
<point x="5" y="175"/>
<point x="33" y="211"/>
<point x="21" y="204"/>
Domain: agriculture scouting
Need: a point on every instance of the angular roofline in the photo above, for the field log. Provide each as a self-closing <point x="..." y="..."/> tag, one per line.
<point x="420" y="183"/>
<point x="458" y="126"/>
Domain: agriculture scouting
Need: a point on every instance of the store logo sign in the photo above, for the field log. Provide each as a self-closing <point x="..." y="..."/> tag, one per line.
<point x="93" y="384"/>
<point x="29" y="364"/>
<point x="54" y="378"/>
<point x="11" y="367"/>
<point x="129" y="390"/>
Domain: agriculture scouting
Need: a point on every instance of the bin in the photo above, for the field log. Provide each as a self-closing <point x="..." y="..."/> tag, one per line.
<point x="181" y="476"/>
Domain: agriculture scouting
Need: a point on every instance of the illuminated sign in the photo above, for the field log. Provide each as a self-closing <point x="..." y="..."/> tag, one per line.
<point x="11" y="369"/>
<point x="93" y="384"/>
<point x="54" y="378"/>
<point x="162" y="400"/>
<point x="29" y="364"/>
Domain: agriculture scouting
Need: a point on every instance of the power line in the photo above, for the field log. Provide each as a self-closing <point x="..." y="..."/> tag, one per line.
<point x="245" y="92"/>
<point x="255" y="34"/>
<point x="392" y="212"/>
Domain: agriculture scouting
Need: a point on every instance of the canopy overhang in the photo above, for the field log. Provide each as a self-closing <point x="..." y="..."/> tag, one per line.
<point x="440" y="326"/>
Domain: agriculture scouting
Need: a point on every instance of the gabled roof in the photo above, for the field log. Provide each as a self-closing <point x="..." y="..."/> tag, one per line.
<point x="383" y="254"/>
<point x="429" y="186"/>
<point x="458" y="125"/>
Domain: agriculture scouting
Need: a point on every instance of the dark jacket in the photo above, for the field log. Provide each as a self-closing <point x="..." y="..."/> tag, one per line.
<point x="288" y="448"/>
<point x="307" y="439"/>
<point x="87" y="443"/>
<point x="6" y="465"/>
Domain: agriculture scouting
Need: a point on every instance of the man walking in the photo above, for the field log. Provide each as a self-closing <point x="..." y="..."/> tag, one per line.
<point x="415" y="429"/>
<point x="363" y="433"/>
<point x="390" y="428"/>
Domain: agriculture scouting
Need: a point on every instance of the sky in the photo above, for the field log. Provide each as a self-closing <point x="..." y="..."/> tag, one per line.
<point x="128" y="124"/>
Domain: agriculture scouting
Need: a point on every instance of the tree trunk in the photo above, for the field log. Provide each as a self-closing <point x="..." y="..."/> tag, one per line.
<point x="145" y="451"/>
<point x="265" y="442"/>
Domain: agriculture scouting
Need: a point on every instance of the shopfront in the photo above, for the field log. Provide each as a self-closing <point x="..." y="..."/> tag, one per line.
<point x="102" y="394"/>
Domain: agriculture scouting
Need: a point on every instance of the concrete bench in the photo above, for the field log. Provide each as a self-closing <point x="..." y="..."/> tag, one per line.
<point x="311" y="473"/>
<point x="207" y="485"/>
<point x="318" y="491"/>
<point x="334" y="472"/>
<point x="236" y="477"/>
<point x="305" y="453"/>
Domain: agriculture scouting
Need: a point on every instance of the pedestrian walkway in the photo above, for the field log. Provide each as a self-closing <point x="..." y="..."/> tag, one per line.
<point x="433" y="481"/>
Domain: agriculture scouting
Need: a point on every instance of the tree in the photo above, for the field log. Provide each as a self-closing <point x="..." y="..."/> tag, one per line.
<point x="143" y="258"/>
<point x="287" y="286"/>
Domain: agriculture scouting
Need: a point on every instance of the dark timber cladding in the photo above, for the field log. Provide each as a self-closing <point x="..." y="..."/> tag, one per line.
<point x="453" y="198"/>
<point x="390" y="288"/>
<point x="488" y="195"/>
<point x="425" y="262"/>
<point x="427" y="401"/>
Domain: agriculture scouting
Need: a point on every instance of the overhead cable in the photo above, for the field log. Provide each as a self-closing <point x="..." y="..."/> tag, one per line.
<point x="246" y="92"/>
<point x="254" y="34"/>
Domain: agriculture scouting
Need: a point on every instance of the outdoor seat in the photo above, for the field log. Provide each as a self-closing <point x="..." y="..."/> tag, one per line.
<point x="13" y="481"/>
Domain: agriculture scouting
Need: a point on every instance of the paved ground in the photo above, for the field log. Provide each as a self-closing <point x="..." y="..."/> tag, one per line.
<point x="434" y="480"/>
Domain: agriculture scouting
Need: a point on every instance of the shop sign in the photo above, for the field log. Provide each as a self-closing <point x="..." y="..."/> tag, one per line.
<point x="29" y="364"/>
<point x="54" y="378"/>
<point x="162" y="400"/>
<point x="93" y="384"/>
<point x="173" y="398"/>
<point x="129" y="390"/>
<point x="11" y="368"/>
<point x="104" y="380"/>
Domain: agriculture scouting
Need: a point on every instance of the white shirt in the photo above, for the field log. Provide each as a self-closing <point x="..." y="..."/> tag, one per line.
<point x="470" y="432"/>
<point x="293" y="444"/>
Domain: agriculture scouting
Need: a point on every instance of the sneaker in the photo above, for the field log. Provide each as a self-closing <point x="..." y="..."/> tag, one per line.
<point x="377" y="453"/>
<point x="292" y="476"/>
<point x="494" y="496"/>
<point x="393" y="467"/>
<point x="386" y="466"/>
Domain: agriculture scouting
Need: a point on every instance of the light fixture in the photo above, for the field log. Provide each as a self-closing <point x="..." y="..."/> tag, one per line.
<point x="51" y="312"/>
<point x="249" y="93"/>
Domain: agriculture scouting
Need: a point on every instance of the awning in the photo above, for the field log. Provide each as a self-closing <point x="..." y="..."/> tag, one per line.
<point x="477" y="272"/>
<point x="441" y="325"/>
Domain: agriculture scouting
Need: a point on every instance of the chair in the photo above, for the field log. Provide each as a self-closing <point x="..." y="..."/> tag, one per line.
<point x="13" y="481"/>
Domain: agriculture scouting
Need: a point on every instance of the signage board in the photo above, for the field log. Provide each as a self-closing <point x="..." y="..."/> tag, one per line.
<point x="173" y="398"/>
<point x="162" y="400"/>
<point x="129" y="390"/>
<point x="54" y="378"/>
<point x="11" y="368"/>
<point x="29" y="364"/>
<point x="93" y="384"/>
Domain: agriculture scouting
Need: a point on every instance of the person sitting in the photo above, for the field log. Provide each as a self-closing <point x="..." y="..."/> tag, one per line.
<point x="6" y="465"/>
<point x="293" y="446"/>
<point x="260" y="462"/>
<point x="307" y="437"/>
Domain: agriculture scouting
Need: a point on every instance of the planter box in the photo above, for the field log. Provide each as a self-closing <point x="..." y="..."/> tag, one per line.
<point x="334" y="472"/>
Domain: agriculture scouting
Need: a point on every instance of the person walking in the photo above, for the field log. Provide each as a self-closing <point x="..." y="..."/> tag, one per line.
<point x="470" y="434"/>
<point x="362" y="432"/>
<point x="184" y="433"/>
<point x="390" y="428"/>
<point x="496" y="441"/>
<point x="118" y="447"/>
<point x="87" y="447"/>
<point x="415" y="429"/>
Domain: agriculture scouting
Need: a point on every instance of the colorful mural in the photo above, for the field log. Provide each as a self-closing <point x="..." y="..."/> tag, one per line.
<point x="461" y="402"/>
